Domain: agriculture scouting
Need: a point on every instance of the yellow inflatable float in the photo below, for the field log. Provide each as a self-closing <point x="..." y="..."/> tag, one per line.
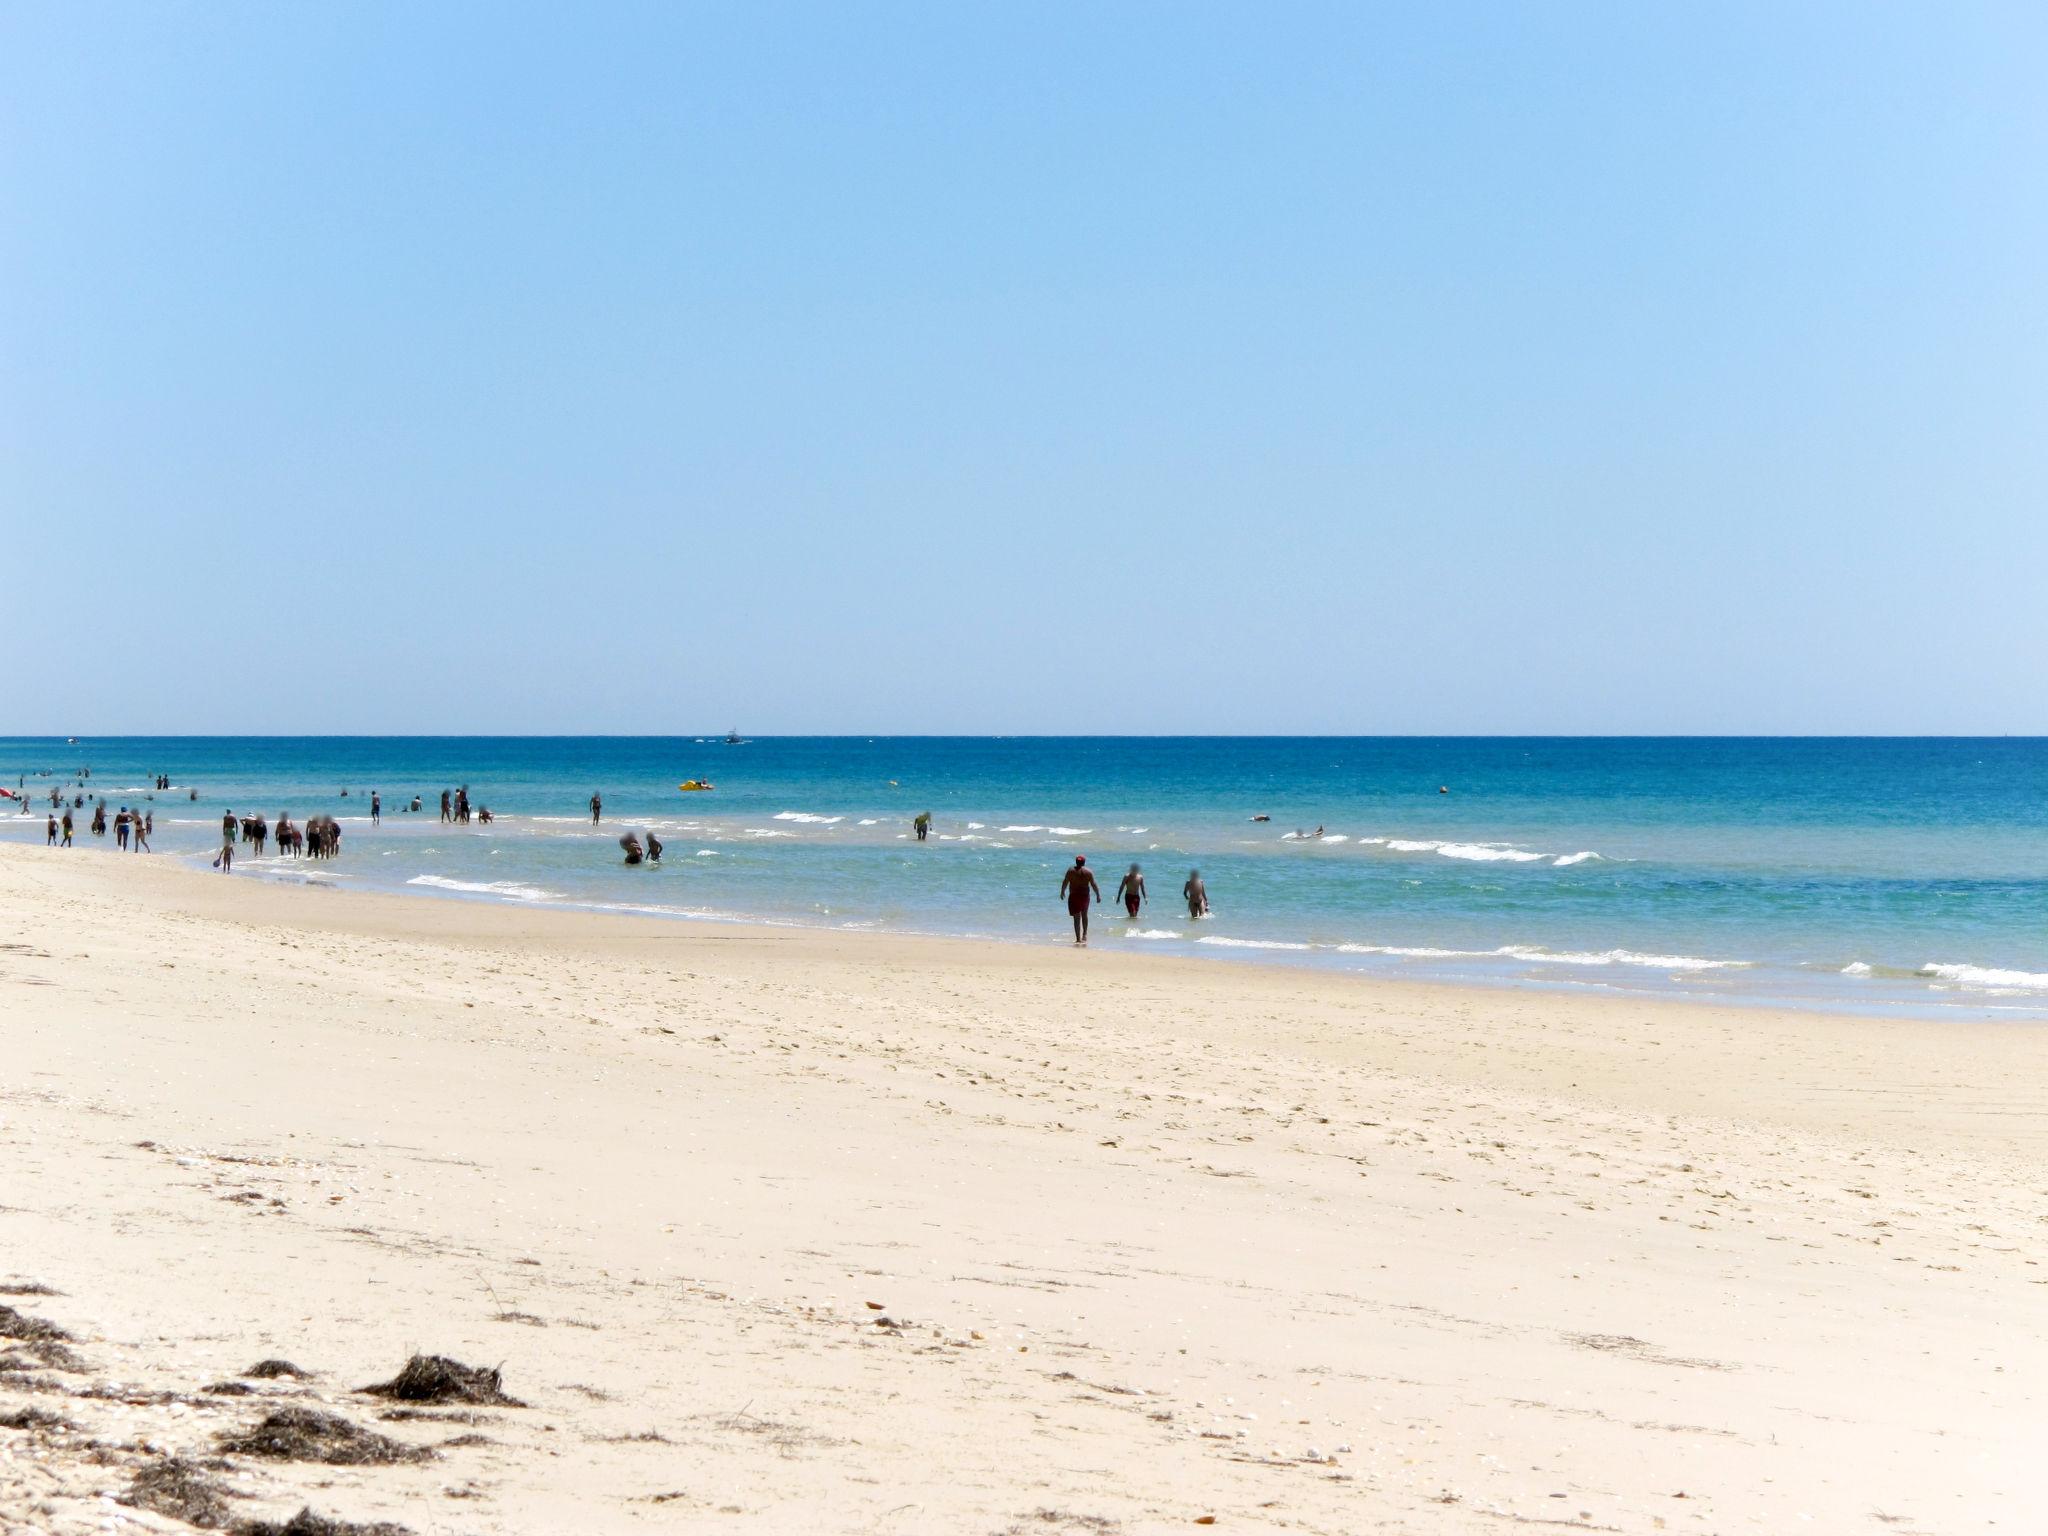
<point x="695" y="784"/>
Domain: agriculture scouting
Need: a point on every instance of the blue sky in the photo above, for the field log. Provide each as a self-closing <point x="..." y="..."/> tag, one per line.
<point x="1547" y="368"/>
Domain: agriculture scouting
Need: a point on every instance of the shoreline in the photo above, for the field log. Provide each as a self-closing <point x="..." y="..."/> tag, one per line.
<point x="1847" y="991"/>
<point x="813" y="1230"/>
<point x="1731" y="1032"/>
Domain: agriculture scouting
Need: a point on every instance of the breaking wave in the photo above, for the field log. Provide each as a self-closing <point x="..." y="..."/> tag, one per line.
<point x="511" y="890"/>
<point x="1984" y="976"/>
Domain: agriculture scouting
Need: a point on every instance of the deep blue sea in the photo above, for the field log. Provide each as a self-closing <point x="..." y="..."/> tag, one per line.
<point x="1868" y="874"/>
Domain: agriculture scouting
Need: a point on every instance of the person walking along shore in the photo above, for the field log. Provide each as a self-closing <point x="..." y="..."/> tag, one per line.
<point x="1078" y="886"/>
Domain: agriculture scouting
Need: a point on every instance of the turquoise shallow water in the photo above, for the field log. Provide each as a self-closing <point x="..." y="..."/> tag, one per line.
<point x="1873" y="875"/>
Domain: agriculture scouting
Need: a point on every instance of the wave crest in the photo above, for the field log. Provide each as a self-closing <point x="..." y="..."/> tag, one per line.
<point x="511" y="890"/>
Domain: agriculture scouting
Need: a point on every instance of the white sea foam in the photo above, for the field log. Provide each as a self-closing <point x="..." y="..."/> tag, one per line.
<point x="1414" y="952"/>
<point x="868" y="821"/>
<point x="510" y="889"/>
<point x="974" y="826"/>
<point x="707" y="853"/>
<point x="292" y="872"/>
<point x="1564" y="860"/>
<point x="1620" y="957"/>
<point x="809" y="818"/>
<point x="1856" y="968"/>
<point x="1983" y="975"/>
<point x="1219" y="940"/>
<point x="767" y="832"/>
<point x="1336" y="837"/>
<point x="1482" y="853"/>
<point x="1150" y="933"/>
<point x="1024" y="829"/>
<point x="1066" y="831"/>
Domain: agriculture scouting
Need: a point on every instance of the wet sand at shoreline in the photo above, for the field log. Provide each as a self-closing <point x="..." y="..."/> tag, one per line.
<point x="791" y="1230"/>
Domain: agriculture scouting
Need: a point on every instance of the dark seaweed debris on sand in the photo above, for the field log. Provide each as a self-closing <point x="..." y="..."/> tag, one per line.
<point x="174" y="1487"/>
<point x="307" y="1434"/>
<point x="30" y="1330"/>
<point x="306" y="1523"/>
<point x="34" y="1418"/>
<point x="263" y="1370"/>
<point x="437" y="1379"/>
<point x="42" y="1344"/>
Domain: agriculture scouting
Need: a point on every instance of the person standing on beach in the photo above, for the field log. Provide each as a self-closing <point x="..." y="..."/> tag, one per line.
<point x="447" y="806"/>
<point x="67" y="831"/>
<point x="596" y="807"/>
<point x="923" y="823"/>
<point x="52" y="841"/>
<point x="1079" y="887"/>
<point x="135" y="825"/>
<point x="1131" y="890"/>
<point x="1197" y="894"/>
<point x="121" y="829"/>
<point x="227" y="826"/>
<point x="376" y="809"/>
<point x="224" y="861"/>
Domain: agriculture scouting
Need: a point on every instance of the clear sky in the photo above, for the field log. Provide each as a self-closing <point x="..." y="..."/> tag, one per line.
<point x="1490" y="368"/>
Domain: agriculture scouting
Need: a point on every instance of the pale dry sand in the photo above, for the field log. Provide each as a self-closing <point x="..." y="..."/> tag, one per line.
<point x="1151" y="1240"/>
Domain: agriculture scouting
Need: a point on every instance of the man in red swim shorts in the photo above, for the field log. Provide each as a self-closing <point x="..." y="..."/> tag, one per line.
<point x="1079" y="887"/>
<point x="1132" y="889"/>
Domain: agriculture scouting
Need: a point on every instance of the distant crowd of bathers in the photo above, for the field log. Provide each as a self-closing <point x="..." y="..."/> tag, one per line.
<point x="320" y="838"/>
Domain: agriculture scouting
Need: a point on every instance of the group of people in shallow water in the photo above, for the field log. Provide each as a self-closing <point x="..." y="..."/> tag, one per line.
<point x="454" y="807"/>
<point x="1080" y="890"/>
<point x="132" y="829"/>
<point x="319" y="838"/>
<point x="638" y="851"/>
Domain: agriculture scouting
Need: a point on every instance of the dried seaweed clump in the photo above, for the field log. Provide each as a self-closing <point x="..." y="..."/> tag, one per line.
<point x="176" y="1488"/>
<point x="306" y="1434"/>
<point x="264" y="1370"/>
<point x="30" y="1330"/>
<point x="34" y="1418"/>
<point x="437" y="1379"/>
<point x="306" y="1523"/>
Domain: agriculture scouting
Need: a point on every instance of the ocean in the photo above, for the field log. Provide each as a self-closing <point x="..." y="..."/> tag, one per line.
<point x="1873" y="875"/>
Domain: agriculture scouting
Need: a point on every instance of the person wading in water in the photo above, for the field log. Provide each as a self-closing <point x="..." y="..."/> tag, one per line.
<point x="1079" y="887"/>
<point x="1131" y="890"/>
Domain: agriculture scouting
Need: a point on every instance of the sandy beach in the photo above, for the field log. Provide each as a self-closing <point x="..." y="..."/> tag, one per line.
<point x="782" y="1230"/>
